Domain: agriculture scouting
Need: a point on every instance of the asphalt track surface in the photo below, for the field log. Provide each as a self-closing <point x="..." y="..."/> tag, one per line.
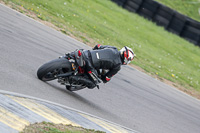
<point x="131" y="99"/>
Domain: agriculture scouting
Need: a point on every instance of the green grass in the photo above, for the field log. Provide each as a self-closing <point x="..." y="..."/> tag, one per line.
<point x="158" y="51"/>
<point x="47" y="127"/>
<point x="189" y="8"/>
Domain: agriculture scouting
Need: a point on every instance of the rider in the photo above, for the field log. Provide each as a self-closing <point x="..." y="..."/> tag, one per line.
<point x="104" y="57"/>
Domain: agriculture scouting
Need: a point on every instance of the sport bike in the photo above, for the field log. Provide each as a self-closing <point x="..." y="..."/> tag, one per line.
<point x="66" y="66"/>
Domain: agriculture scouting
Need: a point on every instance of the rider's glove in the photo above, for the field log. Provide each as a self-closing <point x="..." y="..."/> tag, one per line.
<point x="105" y="79"/>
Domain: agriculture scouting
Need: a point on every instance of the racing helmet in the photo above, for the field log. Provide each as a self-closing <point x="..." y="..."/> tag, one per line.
<point x="127" y="55"/>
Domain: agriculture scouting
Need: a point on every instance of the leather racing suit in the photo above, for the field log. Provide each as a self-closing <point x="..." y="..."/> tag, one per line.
<point x="101" y="57"/>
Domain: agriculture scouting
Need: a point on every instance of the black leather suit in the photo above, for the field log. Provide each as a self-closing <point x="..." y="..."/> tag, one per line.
<point x="106" y="57"/>
<point x="101" y="57"/>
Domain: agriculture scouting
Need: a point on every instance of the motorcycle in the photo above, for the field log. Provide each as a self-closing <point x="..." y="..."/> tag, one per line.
<point x="66" y="66"/>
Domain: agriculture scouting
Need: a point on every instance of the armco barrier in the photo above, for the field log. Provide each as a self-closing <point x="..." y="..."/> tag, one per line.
<point x="164" y="16"/>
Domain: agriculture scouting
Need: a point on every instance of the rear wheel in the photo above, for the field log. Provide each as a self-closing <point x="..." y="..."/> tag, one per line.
<point x="49" y="70"/>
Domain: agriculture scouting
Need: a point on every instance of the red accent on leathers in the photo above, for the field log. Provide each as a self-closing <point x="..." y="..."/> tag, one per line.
<point x="107" y="79"/>
<point x="98" y="45"/>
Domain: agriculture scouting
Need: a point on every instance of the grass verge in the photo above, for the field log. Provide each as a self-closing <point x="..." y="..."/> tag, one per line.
<point x="161" y="54"/>
<point x="47" y="127"/>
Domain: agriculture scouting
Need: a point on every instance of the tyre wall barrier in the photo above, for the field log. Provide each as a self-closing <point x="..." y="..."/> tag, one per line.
<point x="164" y="16"/>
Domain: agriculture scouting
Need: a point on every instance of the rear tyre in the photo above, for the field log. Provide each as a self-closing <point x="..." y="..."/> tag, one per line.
<point x="49" y="70"/>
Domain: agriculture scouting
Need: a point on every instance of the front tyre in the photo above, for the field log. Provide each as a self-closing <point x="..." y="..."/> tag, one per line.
<point x="49" y="70"/>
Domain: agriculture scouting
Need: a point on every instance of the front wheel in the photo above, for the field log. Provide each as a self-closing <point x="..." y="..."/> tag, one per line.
<point x="49" y="70"/>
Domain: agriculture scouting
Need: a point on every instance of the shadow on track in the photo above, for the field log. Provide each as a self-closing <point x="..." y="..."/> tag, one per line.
<point x="83" y="100"/>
